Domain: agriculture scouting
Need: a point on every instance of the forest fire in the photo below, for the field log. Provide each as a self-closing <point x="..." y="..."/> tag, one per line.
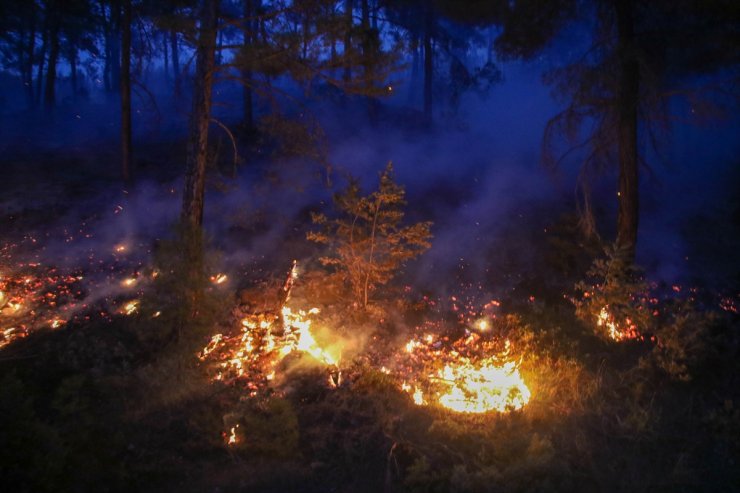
<point x="459" y="377"/>
<point x="487" y="386"/>
<point x="231" y="439"/>
<point x="130" y="308"/>
<point x="475" y="374"/>
<point x="615" y="331"/>
<point x="265" y="340"/>
<point x="35" y="296"/>
<point x="219" y="278"/>
<point x="517" y="227"/>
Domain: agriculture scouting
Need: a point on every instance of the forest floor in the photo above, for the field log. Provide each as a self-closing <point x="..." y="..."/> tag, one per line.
<point x="97" y="394"/>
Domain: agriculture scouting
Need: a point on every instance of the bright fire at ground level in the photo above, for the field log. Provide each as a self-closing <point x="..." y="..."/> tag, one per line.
<point x="469" y="375"/>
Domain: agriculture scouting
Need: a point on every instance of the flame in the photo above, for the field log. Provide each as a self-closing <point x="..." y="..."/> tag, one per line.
<point x="232" y="440"/>
<point x="415" y="392"/>
<point x="219" y="278"/>
<point x="483" y="387"/>
<point x="130" y="308"/>
<point x="305" y="341"/>
<point x="614" y="331"/>
<point x="128" y="282"/>
<point x="456" y="377"/>
<point x="265" y="340"/>
<point x="215" y="340"/>
<point x="14" y="307"/>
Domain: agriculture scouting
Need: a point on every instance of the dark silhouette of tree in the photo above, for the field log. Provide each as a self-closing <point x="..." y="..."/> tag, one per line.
<point x="440" y="33"/>
<point x="54" y="16"/>
<point x="19" y="25"/>
<point x="171" y="18"/>
<point x="125" y="82"/>
<point x="197" y="148"/>
<point x="640" y="56"/>
<point x="250" y="29"/>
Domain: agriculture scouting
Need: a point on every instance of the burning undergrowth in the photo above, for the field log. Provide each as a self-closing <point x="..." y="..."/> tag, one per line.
<point x="36" y="294"/>
<point x="438" y="363"/>
<point x="470" y="375"/>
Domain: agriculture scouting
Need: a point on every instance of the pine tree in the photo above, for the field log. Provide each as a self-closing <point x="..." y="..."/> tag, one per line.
<point x="368" y="241"/>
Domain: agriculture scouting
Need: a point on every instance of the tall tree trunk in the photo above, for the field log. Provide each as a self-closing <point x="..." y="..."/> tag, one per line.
<point x="367" y="55"/>
<point x="73" y="70"/>
<point x="627" y="102"/>
<point x="368" y="61"/>
<point x="305" y="34"/>
<point x="415" y="62"/>
<point x="30" y="58"/>
<point x="197" y="150"/>
<point x="220" y="45"/>
<point x="115" y="45"/>
<point x="175" y="61"/>
<point x="51" y="70"/>
<point x="428" y="64"/>
<point x="21" y="48"/>
<point x="105" y="23"/>
<point x="348" y="23"/>
<point x="126" y="94"/>
<point x="166" y="58"/>
<point x="365" y="14"/>
<point x="42" y="58"/>
<point x="107" y="65"/>
<point x="249" y="36"/>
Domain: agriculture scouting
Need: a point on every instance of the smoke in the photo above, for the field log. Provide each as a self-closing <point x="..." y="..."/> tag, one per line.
<point x="476" y="175"/>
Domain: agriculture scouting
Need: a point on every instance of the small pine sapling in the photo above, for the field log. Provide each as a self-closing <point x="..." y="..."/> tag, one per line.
<point x="367" y="241"/>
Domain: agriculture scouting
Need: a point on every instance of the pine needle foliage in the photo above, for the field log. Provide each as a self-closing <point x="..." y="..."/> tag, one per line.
<point x="367" y="241"/>
<point x="616" y="285"/>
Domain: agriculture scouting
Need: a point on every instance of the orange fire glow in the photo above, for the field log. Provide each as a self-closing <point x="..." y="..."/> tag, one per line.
<point x="219" y="278"/>
<point x="265" y="340"/>
<point x="628" y="330"/>
<point x="458" y="379"/>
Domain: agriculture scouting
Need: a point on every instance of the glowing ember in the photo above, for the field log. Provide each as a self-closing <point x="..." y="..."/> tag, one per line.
<point x="265" y="340"/>
<point x="478" y="388"/>
<point x="128" y="282"/>
<point x="231" y="440"/>
<point x="14" y="307"/>
<point x="215" y="341"/>
<point x="9" y="335"/>
<point x="457" y="377"/>
<point x="606" y="320"/>
<point x="219" y="278"/>
<point x="415" y="392"/>
<point x="130" y="308"/>
<point x="304" y="340"/>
